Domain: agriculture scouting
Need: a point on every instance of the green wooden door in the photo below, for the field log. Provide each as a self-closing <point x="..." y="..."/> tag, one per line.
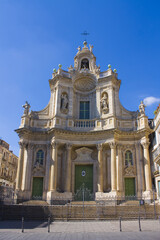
<point x="129" y="186"/>
<point x="84" y="177"/>
<point x="159" y="189"/>
<point x="37" y="189"/>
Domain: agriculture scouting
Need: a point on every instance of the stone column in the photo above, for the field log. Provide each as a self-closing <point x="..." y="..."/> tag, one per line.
<point x="105" y="182"/>
<point x="100" y="168"/>
<point x="98" y="99"/>
<point x="24" y="169"/>
<point x="119" y="169"/>
<point x="113" y="166"/>
<point x="27" y="168"/>
<point x="48" y="160"/>
<point x="139" y="173"/>
<point x="20" y="167"/>
<point x="69" y="168"/>
<point x="53" y="172"/>
<point x="147" y="168"/>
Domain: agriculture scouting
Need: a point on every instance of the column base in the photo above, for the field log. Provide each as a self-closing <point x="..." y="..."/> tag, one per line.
<point x="54" y="197"/>
<point x="101" y="196"/>
<point x="147" y="196"/>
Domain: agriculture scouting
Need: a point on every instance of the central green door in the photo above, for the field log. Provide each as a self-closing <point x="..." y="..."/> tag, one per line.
<point x="129" y="186"/>
<point x="84" y="181"/>
<point x="37" y="189"/>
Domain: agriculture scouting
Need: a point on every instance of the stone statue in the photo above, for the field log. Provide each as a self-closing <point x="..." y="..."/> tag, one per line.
<point x="79" y="49"/>
<point x="104" y="103"/>
<point x="142" y="108"/>
<point x="26" y="107"/>
<point x="91" y="48"/>
<point x="64" y="103"/>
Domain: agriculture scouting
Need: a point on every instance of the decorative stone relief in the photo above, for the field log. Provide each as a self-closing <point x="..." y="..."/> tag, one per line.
<point x="64" y="103"/>
<point x="38" y="169"/>
<point x="130" y="171"/>
<point x="84" y="154"/>
<point x="104" y="103"/>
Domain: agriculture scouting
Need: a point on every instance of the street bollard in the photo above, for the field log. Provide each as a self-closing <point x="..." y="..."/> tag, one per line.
<point x="120" y="224"/>
<point x="22" y="224"/>
<point x="49" y="220"/>
<point x="139" y="220"/>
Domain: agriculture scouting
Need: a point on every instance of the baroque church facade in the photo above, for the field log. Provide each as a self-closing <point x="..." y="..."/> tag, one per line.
<point x="84" y="138"/>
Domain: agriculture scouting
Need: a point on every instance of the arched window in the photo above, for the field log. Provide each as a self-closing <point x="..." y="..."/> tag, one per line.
<point x="40" y="157"/>
<point x="128" y="158"/>
<point x="85" y="63"/>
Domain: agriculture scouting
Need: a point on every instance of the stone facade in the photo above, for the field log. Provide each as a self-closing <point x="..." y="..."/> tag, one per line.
<point x="155" y="150"/>
<point x="8" y="171"/>
<point x="84" y="124"/>
<point x="8" y="165"/>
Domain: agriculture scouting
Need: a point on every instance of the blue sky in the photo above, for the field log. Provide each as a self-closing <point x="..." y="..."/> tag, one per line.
<point x="35" y="36"/>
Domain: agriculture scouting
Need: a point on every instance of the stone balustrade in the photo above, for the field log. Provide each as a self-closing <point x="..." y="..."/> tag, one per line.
<point x="84" y="123"/>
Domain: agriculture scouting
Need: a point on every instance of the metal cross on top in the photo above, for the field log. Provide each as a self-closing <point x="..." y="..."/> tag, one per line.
<point x="85" y="33"/>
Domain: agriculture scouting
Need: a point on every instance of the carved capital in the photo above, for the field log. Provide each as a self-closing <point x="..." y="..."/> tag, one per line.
<point x="112" y="145"/>
<point x="31" y="146"/>
<point x="145" y="144"/>
<point x="119" y="146"/>
<point x="54" y="144"/>
<point x="68" y="146"/>
<point x="99" y="147"/>
<point x="21" y="145"/>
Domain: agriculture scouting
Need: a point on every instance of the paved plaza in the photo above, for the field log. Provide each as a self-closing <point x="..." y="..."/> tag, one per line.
<point x="11" y="230"/>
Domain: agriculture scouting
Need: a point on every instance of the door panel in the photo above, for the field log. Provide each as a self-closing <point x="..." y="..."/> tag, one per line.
<point x="37" y="189"/>
<point x="83" y="180"/>
<point x="159" y="188"/>
<point x="129" y="186"/>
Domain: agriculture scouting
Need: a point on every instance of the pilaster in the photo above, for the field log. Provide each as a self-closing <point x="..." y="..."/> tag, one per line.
<point x="139" y="172"/>
<point x="113" y="166"/>
<point x="48" y="159"/>
<point x="53" y="172"/>
<point x="20" y="167"/>
<point x="100" y="168"/>
<point x="69" y="168"/>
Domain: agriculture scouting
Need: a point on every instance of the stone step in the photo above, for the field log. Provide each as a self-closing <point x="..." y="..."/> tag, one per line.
<point x="71" y="212"/>
<point x="35" y="202"/>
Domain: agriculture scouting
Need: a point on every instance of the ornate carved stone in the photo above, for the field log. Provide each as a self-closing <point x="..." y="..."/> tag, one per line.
<point x="130" y="171"/>
<point x="145" y="144"/>
<point x="104" y="103"/>
<point x="26" y="107"/>
<point x="142" y="109"/>
<point x="54" y="144"/>
<point x="99" y="146"/>
<point x="112" y="145"/>
<point x="64" y="103"/>
<point x="84" y="154"/>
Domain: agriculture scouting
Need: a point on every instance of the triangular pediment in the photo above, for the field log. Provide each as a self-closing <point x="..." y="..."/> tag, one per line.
<point x="84" y="154"/>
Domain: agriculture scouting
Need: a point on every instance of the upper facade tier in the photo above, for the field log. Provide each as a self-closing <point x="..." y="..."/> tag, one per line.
<point x="84" y="99"/>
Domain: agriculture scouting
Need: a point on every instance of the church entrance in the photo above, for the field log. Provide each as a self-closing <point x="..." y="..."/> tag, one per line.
<point x="129" y="187"/>
<point x="37" y="188"/>
<point x="84" y="182"/>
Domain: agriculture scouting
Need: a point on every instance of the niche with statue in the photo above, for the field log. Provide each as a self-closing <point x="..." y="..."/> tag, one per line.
<point x="104" y="103"/>
<point x="64" y="103"/>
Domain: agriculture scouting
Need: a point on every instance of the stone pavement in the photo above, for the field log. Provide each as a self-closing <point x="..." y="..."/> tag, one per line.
<point x="11" y="230"/>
